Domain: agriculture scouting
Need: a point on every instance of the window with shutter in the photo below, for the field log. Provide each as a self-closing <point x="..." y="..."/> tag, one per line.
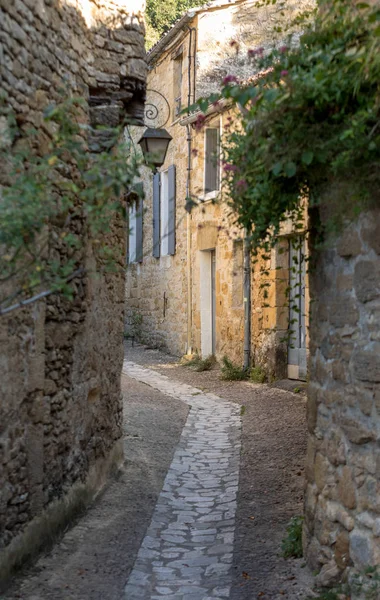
<point x="164" y="212"/>
<point x="212" y="151"/>
<point x="135" y="233"/>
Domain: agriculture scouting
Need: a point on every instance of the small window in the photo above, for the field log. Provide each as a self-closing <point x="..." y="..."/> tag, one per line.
<point x="212" y="155"/>
<point x="177" y="84"/>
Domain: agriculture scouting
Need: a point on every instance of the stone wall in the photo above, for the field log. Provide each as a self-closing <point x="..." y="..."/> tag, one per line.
<point x="156" y="288"/>
<point x="225" y="35"/>
<point x="60" y="362"/>
<point x="342" y="506"/>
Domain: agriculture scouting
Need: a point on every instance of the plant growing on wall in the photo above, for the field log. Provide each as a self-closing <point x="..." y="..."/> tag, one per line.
<point x="56" y="194"/>
<point x="310" y="123"/>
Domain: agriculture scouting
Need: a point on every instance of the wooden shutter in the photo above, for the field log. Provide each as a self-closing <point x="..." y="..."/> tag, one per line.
<point x="139" y="231"/>
<point x="172" y="209"/>
<point x="212" y="158"/>
<point x="156" y="215"/>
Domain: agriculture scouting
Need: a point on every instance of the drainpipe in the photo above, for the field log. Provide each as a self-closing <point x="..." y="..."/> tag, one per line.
<point x="247" y="302"/>
<point x="191" y="63"/>
<point x="189" y="349"/>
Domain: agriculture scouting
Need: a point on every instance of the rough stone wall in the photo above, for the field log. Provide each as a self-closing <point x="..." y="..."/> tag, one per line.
<point x="342" y="506"/>
<point x="156" y="289"/>
<point x="60" y="362"/>
<point x="226" y="34"/>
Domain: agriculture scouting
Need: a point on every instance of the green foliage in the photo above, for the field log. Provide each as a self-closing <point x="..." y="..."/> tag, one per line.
<point x="162" y="14"/>
<point x="197" y="363"/>
<point x="311" y="122"/>
<point x="230" y="371"/>
<point x="292" y="544"/>
<point x="55" y="197"/>
<point x="364" y="585"/>
<point x="135" y="325"/>
<point x="257" y="374"/>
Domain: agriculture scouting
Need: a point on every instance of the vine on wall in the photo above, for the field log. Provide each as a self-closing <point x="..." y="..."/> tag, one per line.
<point x="55" y="195"/>
<point x="310" y="121"/>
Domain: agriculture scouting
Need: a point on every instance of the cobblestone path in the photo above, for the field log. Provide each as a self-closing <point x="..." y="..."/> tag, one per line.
<point x="188" y="548"/>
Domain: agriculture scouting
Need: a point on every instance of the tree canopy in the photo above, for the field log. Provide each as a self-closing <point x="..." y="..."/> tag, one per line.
<point x="161" y="14"/>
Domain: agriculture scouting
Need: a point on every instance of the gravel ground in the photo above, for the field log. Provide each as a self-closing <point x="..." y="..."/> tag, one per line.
<point x="95" y="557"/>
<point x="271" y="475"/>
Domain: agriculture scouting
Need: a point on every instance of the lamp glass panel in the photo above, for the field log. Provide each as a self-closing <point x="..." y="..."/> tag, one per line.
<point x="157" y="147"/>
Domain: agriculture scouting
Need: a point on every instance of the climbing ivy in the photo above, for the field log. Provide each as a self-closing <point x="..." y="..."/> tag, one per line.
<point x="310" y="121"/>
<point x="55" y="195"/>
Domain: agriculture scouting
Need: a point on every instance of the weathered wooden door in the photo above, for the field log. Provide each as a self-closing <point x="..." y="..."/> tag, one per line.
<point x="297" y="351"/>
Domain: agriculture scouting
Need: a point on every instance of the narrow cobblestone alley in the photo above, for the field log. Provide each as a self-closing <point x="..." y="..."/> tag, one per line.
<point x="213" y="472"/>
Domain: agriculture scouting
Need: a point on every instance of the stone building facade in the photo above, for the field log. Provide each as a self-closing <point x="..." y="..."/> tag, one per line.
<point x="342" y="507"/>
<point x="60" y="406"/>
<point x="191" y="300"/>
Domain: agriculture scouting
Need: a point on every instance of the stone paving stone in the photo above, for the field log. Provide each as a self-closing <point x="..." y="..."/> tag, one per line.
<point x="188" y="548"/>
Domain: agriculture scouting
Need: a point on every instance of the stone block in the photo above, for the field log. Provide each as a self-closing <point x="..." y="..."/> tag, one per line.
<point x="346" y="488"/>
<point x="361" y="549"/>
<point x="370" y="231"/>
<point x="357" y="430"/>
<point x="366" y="281"/>
<point x="366" y="363"/>
<point x="328" y="576"/>
<point x="349" y="244"/>
<point x="342" y="550"/>
<point x="343" y="312"/>
<point x="321" y="471"/>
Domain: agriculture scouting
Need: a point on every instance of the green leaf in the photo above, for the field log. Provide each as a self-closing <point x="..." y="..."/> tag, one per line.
<point x="307" y="157"/>
<point x="277" y="168"/>
<point x="290" y="169"/>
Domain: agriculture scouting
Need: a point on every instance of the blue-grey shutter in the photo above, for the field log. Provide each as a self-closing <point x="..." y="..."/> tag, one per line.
<point x="156" y="215"/>
<point x="212" y="158"/>
<point x="172" y="211"/>
<point x="139" y="231"/>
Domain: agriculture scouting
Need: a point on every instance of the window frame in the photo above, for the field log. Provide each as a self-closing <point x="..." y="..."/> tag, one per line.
<point x="211" y="195"/>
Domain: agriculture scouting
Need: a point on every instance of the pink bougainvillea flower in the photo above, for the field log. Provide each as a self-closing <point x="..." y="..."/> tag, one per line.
<point x="260" y="50"/>
<point x="283" y="49"/>
<point x="284" y="73"/>
<point x="241" y="184"/>
<point x="199" y="122"/>
<point x="230" y="168"/>
<point x="230" y="79"/>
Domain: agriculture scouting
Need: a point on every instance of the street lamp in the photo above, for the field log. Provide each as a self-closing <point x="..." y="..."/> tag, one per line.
<point x="154" y="144"/>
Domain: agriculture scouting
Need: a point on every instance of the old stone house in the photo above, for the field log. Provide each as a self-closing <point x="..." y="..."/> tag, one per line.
<point x="185" y="277"/>
<point x="60" y="362"/>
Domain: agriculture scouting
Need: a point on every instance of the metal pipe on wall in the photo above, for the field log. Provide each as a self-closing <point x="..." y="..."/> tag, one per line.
<point x="247" y="302"/>
<point x="191" y="63"/>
